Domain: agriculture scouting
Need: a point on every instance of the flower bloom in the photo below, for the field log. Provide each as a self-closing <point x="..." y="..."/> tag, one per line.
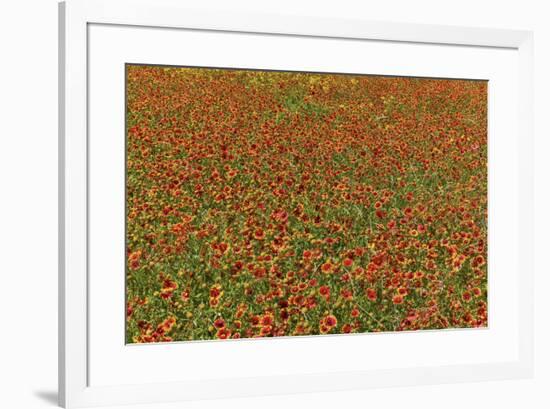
<point x="330" y="321"/>
<point x="325" y="292"/>
<point x="371" y="294"/>
<point x="397" y="299"/>
<point x="168" y="288"/>
<point x="327" y="323"/>
<point x="327" y="267"/>
<point x="223" y="333"/>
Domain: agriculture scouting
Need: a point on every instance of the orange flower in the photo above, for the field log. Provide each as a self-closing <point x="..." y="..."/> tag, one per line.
<point x="167" y="325"/>
<point x="397" y="299"/>
<point x="259" y="234"/>
<point x="325" y="292"/>
<point x="327" y="267"/>
<point x="223" y="333"/>
<point x="168" y="288"/>
<point x="266" y="320"/>
<point x="347" y="328"/>
<point x="329" y="321"/>
<point x="371" y="294"/>
<point x="184" y="296"/>
<point x="215" y="291"/>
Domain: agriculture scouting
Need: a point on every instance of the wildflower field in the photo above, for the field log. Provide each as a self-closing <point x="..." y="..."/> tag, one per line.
<point x="263" y="204"/>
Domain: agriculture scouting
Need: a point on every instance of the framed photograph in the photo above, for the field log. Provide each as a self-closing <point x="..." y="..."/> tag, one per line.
<point x="265" y="204"/>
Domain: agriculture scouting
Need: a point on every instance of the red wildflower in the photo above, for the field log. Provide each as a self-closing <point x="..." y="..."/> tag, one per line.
<point x="325" y="292"/>
<point x="327" y="267"/>
<point x="371" y="294"/>
<point x="397" y="299"/>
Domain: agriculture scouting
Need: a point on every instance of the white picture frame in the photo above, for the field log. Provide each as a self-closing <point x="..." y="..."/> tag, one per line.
<point x="75" y="18"/>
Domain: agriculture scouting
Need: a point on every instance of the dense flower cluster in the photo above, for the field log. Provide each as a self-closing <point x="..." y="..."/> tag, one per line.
<point x="267" y="204"/>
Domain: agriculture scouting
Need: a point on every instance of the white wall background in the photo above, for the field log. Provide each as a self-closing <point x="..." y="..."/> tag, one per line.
<point x="28" y="202"/>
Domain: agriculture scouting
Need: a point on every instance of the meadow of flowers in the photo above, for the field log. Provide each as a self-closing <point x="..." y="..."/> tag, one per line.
<point x="263" y="204"/>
